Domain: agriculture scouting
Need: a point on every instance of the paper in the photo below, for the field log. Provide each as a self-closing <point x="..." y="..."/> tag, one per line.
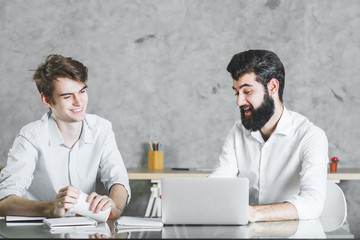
<point x="9" y="224"/>
<point x="83" y="232"/>
<point x="138" y="222"/>
<point x="23" y="219"/>
<point x="83" y="208"/>
<point x="133" y="229"/>
<point x="69" y="222"/>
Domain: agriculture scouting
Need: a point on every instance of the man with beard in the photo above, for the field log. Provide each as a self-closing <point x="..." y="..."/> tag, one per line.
<point x="281" y="152"/>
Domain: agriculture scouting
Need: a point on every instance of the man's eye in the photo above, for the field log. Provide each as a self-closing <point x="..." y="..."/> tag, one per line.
<point x="66" y="97"/>
<point x="236" y="94"/>
<point x="248" y="92"/>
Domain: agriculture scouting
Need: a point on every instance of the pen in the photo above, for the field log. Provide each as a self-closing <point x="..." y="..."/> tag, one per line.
<point x="182" y="169"/>
<point x="150" y="147"/>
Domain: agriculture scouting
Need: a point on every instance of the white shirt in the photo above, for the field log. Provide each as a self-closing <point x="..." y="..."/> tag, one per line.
<point x="40" y="163"/>
<point x="291" y="166"/>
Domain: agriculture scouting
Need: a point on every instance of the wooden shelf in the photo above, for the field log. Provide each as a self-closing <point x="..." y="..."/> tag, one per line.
<point x="152" y="174"/>
<point x="345" y="174"/>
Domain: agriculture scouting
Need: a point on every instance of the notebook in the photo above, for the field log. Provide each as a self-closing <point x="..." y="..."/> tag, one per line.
<point x="66" y="224"/>
<point x="205" y="201"/>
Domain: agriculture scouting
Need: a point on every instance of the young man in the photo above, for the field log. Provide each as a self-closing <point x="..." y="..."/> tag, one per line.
<point x="55" y="158"/>
<point x="282" y="153"/>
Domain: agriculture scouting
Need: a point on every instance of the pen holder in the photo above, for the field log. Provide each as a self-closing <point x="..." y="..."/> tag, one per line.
<point x="156" y="160"/>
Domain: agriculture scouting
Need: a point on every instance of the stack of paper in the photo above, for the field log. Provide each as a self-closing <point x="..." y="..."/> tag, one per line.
<point x="138" y="222"/>
<point x="23" y="220"/>
<point x="130" y="224"/>
<point x="67" y="224"/>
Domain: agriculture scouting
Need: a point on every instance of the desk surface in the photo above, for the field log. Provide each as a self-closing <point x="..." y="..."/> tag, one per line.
<point x="151" y="174"/>
<point x="296" y="229"/>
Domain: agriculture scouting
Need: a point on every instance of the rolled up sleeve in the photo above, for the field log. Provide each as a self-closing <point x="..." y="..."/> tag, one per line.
<point x="112" y="166"/>
<point x="310" y="200"/>
<point x="18" y="173"/>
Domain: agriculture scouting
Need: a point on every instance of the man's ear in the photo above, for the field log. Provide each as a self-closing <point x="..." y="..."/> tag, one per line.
<point x="273" y="86"/>
<point x="46" y="100"/>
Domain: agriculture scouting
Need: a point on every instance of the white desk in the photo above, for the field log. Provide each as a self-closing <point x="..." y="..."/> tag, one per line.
<point x="282" y="229"/>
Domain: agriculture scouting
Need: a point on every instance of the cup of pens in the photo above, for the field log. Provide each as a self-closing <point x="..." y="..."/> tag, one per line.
<point x="155" y="156"/>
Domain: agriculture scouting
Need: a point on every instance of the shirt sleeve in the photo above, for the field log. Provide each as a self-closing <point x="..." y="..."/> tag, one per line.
<point x="313" y="176"/>
<point x="227" y="166"/>
<point x="112" y="166"/>
<point x="18" y="173"/>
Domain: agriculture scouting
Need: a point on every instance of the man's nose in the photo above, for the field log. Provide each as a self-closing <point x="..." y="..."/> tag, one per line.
<point x="240" y="100"/>
<point x="76" y="100"/>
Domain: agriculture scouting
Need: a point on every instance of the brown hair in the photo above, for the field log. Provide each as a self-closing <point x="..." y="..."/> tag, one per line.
<point x="57" y="66"/>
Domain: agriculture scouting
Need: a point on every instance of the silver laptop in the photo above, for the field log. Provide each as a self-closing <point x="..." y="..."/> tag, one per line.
<point x="205" y="201"/>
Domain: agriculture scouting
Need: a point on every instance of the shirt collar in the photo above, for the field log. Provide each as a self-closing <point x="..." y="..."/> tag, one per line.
<point x="284" y="125"/>
<point x="55" y="137"/>
<point x="87" y="133"/>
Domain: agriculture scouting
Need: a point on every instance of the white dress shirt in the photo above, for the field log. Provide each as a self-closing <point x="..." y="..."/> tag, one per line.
<point x="40" y="163"/>
<point x="291" y="166"/>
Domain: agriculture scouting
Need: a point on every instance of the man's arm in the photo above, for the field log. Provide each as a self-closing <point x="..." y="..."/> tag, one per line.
<point x="13" y="205"/>
<point x="119" y="195"/>
<point x="116" y="200"/>
<point x="273" y="212"/>
<point x="16" y="206"/>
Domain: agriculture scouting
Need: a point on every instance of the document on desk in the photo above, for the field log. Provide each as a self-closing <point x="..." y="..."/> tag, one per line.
<point x="66" y="224"/>
<point x="138" y="222"/>
<point x="23" y="220"/>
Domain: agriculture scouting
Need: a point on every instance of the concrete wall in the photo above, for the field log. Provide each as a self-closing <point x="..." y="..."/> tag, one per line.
<point x="157" y="69"/>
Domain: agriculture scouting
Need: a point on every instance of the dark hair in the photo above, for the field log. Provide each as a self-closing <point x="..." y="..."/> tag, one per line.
<point x="265" y="64"/>
<point x="57" y="66"/>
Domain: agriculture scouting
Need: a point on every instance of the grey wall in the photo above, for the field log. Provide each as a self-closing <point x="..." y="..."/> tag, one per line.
<point x="157" y="68"/>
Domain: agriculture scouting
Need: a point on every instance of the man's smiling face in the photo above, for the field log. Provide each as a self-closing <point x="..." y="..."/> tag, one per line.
<point x="69" y="100"/>
<point x="256" y="106"/>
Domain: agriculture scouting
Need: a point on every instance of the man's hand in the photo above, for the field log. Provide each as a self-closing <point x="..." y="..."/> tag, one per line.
<point x="101" y="203"/>
<point x="116" y="200"/>
<point x="65" y="199"/>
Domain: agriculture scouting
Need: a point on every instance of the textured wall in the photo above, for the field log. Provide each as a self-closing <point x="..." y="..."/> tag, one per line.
<point x="157" y="68"/>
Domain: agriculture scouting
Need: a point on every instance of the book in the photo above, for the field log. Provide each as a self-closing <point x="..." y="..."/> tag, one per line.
<point x="134" y="229"/>
<point x="9" y="224"/>
<point x="82" y="231"/>
<point x="138" y="222"/>
<point x="65" y="224"/>
<point x="23" y="220"/>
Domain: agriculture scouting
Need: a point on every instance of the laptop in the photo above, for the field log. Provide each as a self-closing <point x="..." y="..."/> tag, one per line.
<point x="205" y="201"/>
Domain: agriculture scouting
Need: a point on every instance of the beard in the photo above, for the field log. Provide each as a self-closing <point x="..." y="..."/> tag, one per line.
<point x="259" y="116"/>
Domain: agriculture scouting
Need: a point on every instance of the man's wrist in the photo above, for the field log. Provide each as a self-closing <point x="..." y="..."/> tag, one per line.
<point x="253" y="214"/>
<point x="50" y="210"/>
